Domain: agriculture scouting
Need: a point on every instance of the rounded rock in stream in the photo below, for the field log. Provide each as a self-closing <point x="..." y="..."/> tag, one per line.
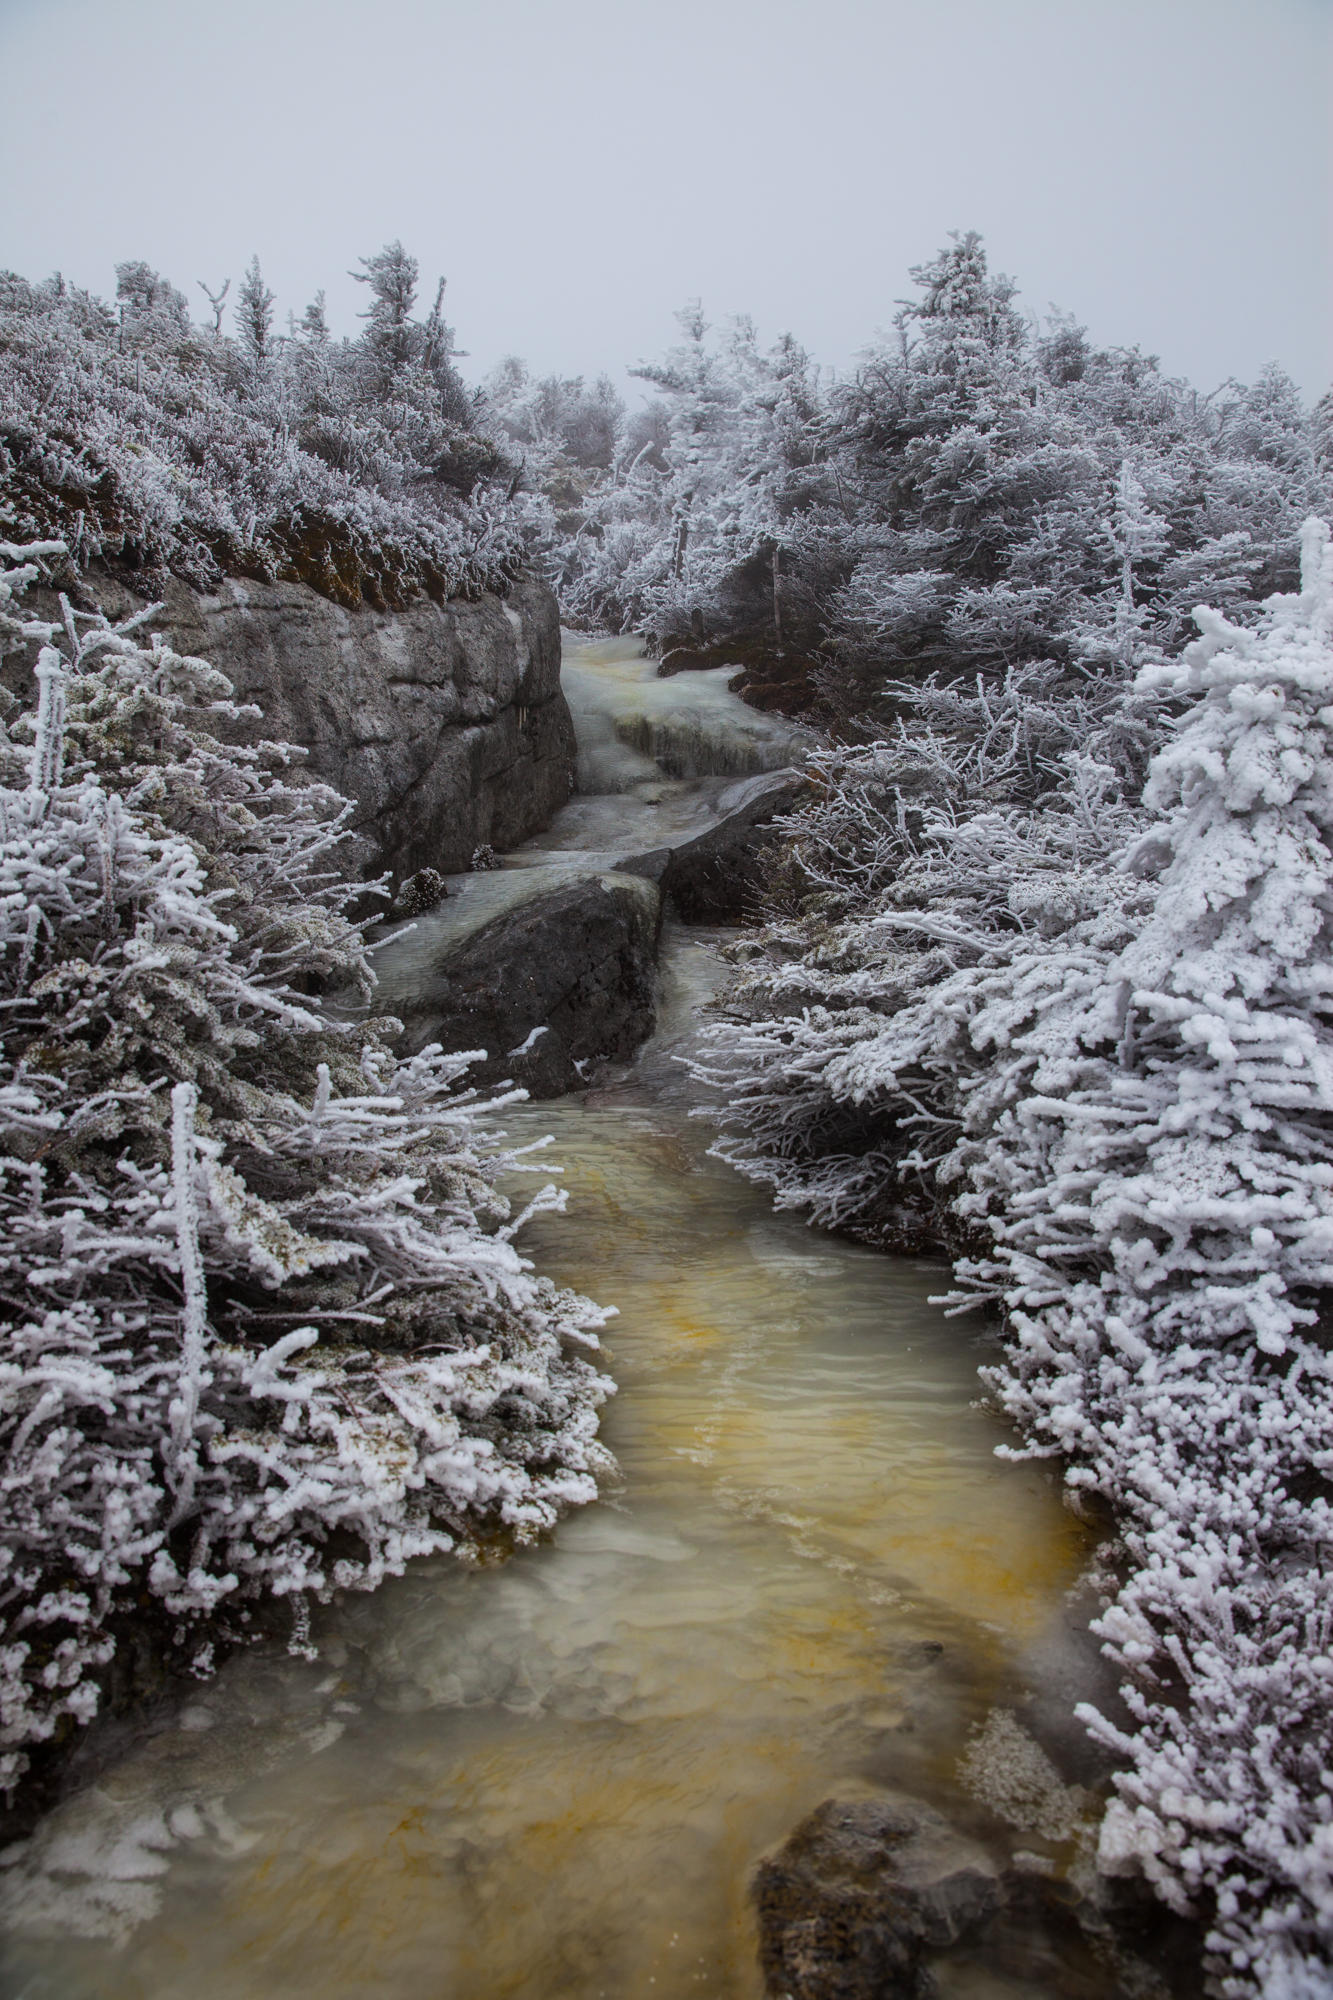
<point x="550" y="987"/>
<point x="855" y="1895"/>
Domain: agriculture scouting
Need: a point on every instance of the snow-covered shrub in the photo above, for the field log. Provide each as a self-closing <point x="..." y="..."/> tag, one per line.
<point x="1153" y="1157"/>
<point x="152" y="446"/>
<point x="264" y="1328"/>
<point x="990" y="814"/>
<point x="1119" y="1075"/>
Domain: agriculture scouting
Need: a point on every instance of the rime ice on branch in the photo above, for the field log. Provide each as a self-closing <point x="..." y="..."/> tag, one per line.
<point x="355" y="466"/>
<point x="264" y="1328"/>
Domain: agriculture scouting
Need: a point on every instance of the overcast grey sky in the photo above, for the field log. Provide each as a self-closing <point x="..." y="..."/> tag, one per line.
<point x="578" y="168"/>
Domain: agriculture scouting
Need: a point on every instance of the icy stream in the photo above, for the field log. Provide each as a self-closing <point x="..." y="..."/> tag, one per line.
<point x="707" y="749"/>
<point x="550" y="1779"/>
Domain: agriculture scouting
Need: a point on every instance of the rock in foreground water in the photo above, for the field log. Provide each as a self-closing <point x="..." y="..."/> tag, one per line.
<point x="858" y="1892"/>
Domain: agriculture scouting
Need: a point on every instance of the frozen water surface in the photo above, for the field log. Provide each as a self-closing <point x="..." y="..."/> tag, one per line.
<point x="632" y="726"/>
<point x="550" y="1779"/>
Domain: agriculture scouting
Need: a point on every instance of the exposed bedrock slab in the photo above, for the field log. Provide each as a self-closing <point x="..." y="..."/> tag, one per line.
<point x="712" y="877"/>
<point x="549" y="971"/>
<point x="701" y="841"/>
<point x="445" y="723"/>
<point x="856" y="1895"/>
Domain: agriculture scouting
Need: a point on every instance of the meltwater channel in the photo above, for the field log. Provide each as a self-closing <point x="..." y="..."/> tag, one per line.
<point x="550" y="1778"/>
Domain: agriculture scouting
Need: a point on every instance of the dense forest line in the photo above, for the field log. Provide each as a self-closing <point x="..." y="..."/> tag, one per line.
<point x="1041" y="969"/>
<point x="983" y="491"/>
<point x="973" y="496"/>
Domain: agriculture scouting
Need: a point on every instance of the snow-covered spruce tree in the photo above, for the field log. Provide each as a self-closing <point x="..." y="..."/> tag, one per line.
<point x="264" y="1330"/>
<point x="990" y="475"/>
<point x="1153" y="1158"/>
<point x="1121" y="1074"/>
<point x="687" y="546"/>
<point x="568" y="442"/>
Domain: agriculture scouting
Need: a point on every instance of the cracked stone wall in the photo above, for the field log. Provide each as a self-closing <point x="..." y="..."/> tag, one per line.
<point x="445" y="723"/>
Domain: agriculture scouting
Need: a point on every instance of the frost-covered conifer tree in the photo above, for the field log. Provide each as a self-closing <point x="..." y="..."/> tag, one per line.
<point x="263" y="1331"/>
<point x="395" y="348"/>
<point x="254" y="322"/>
<point x="680" y="533"/>
<point x="392" y="277"/>
<point x="152" y="311"/>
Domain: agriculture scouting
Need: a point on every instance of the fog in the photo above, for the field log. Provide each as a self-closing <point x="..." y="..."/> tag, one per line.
<point x="579" y="168"/>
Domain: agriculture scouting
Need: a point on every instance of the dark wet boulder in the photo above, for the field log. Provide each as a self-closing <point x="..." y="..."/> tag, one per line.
<point x="712" y="878"/>
<point x="859" y="1892"/>
<point x="550" y="987"/>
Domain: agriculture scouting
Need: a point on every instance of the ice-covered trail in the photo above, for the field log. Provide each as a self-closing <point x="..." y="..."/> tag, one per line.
<point x="550" y="1778"/>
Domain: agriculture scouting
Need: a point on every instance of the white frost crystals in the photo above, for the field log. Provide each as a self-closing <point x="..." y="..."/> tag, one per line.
<point x="1125" y="1094"/>
<point x="264" y="1328"/>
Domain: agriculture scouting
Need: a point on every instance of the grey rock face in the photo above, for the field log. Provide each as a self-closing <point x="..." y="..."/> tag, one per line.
<point x="445" y="722"/>
<point x="548" y="987"/>
<point x="859" y="1891"/>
